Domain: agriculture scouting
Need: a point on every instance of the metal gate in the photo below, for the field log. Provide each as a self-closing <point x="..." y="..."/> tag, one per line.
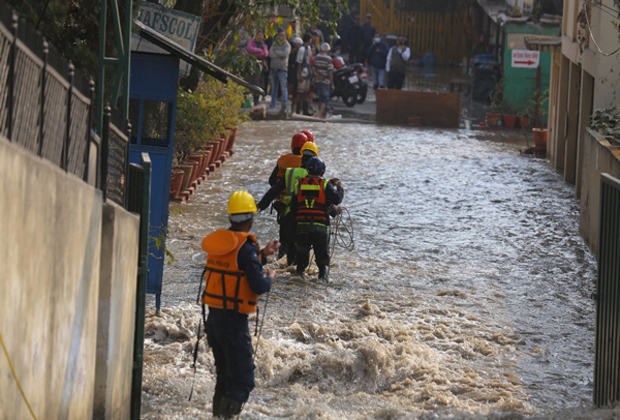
<point x="139" y="199"/>
<point x="607" y="340"/>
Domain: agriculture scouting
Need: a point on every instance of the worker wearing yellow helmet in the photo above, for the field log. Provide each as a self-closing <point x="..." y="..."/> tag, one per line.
<point x="286" y="184"/>
<point x="233" y="280"/>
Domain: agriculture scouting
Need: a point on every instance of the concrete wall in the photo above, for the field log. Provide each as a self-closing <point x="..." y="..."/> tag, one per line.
<point x="597" y="65"/>
<point x="50" y="224"/>
<point x="598" y="157"/>
<point x="117" y="299"/>
<point x="439" y="110"/>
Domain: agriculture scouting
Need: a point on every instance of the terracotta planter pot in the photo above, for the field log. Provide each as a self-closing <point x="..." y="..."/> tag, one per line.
<point x="217" y="147"/>
<point x="524" y="122"/>
<point x="539" y="135"/>
<point x="187" y="170"/>
<point x="208" y="152"/>
<point x="221" y="143"/>
<point x="231" y="140"/>
<point x="205" y="163"/>
<point x="510" y="121"/>
<point x="213" y="146"/>
<point x="176" y="181"/>
<point x="493" y="119"/>
<point x="199" y="158"/>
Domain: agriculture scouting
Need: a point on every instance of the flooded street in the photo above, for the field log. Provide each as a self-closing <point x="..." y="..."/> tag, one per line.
<point x="467" y="294"/>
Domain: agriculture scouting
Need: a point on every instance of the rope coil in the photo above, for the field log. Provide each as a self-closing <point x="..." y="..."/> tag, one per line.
<point x="341" y="232"/>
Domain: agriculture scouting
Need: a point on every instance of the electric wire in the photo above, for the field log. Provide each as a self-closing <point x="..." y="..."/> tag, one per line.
<point x="599" y="6"/>
<point x="19" y="385"/>
<point x="603" y="5"/>
<point x="594" y="40"/>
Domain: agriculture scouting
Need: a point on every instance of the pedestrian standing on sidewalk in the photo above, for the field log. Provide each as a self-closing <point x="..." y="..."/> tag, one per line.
<point x="258" y="48"/>
<point x="323" y="78"/>
<point x="233" y="280"/>
<point x="279" y="52"/>
<point x="304" y="75"/>
<point x="396" y="64"/>
<point x="356" y="43"/>
<point x="369" y="34"/>
<point x="377" y="57"/>
<point x="292" y="71"/>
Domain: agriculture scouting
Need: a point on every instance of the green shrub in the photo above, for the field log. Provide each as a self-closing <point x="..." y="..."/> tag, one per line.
<point x="607" y="122"/>
<point x="205" y="112"/>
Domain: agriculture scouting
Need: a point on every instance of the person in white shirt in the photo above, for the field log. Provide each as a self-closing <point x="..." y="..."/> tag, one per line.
<point x="396" y="64"/>
<point x="304" y="75"/>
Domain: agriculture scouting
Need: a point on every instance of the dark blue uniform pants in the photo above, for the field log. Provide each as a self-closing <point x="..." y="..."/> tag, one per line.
<point x="287" y="238"/>
<point x="317" y="238"/>
<point x="229" y="337"/>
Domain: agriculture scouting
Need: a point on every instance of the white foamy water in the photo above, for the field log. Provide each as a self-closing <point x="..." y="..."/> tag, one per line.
<point x="466" y="297"/>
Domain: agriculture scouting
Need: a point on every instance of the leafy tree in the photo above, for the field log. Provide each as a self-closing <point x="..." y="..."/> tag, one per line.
<point x="72" y="27"/>
<point x="223" y="18"/>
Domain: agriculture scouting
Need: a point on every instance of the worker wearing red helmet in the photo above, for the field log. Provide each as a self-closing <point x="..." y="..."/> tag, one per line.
<point x="308" y="134"/>
<point x="282" y="187"/>
<point x="290" y="160"/>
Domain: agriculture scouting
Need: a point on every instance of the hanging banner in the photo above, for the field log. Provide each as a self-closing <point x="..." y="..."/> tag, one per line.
<point x="525" y="59"/>
<point x="181" y="27"/>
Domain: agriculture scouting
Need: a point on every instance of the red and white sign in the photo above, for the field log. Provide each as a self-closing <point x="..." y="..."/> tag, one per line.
<point x="525" y="59"/>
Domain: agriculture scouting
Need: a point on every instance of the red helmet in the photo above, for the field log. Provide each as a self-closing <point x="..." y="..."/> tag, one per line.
<point x="308" y="134"/>
<point x="299" y="140"/>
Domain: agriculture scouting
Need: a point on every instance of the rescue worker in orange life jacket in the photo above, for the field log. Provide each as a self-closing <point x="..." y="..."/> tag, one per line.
<point x="314" y="201"/>
<point x="290" y="160"/>
<point x="281" y="189"/>
<point x="234" y="279"/>
<point x="287" y="160"/>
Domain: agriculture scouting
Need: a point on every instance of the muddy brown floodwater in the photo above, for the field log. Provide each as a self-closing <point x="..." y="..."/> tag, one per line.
<point x="467" y="294"/>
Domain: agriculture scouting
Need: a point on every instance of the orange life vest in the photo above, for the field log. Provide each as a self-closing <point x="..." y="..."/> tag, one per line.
<point x="226" y="285"/>
<point x="284" y="162"/>
<point x="311" y="201"/>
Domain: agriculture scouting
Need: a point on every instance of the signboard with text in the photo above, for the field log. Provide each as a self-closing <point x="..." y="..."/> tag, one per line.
<point x="181" y="27"/>
<point x="525" y="59"/>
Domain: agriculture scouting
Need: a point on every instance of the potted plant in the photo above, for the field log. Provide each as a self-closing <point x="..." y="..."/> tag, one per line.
<point x="516" y="11"/>
<point x="497" y="98"/>
<point x="525" y="116"/>
<point x="539" y="135"/>
<point x="536" y="11"/>
<point x="509" y="116"/>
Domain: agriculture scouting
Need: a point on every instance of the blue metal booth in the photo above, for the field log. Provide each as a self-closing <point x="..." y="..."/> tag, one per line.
<point x="152" y="103"/>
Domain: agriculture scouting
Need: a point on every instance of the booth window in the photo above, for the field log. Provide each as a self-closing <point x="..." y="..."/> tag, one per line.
<point x="154" y="122"/>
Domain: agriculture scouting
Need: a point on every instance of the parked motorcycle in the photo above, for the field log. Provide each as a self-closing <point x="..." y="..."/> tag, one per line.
<point x="349" y="82"/>
<point x="363" y="81"/>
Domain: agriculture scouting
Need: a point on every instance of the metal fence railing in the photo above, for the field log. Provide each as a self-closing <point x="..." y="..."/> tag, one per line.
<point x="46" y="107"/>
<point x="607" y="335"/>
<point x="115" y="151"/>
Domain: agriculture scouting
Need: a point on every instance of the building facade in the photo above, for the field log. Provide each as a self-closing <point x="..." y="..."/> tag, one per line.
<point x="583" y="79"/>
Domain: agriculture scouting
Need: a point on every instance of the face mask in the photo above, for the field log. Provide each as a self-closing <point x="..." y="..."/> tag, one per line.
<point x="377" y="40"/>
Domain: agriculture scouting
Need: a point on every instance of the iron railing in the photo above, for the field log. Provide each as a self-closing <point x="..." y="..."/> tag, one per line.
<point x="607" y="336"/>
<point x="46" y="107"/>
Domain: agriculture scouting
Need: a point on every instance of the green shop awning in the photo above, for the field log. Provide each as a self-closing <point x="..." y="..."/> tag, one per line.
<point x="544" y="43"/>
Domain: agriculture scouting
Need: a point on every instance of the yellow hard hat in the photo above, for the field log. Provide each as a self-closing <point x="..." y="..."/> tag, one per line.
<point x="310" y="146"/>
<point x="241" y="202"/>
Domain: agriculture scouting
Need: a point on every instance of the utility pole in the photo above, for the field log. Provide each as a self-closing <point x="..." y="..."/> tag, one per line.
<point x="120" y="63"/>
